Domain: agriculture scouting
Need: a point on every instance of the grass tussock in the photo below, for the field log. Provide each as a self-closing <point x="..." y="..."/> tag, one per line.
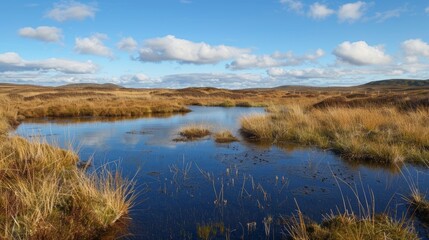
<point x="225" y="136"/>
<point x="384" y="135"/>
<point x="349" y="226"/>
<point x="194" y="131"/>
<point x="44" y="195"/>
<point x="420" y="204"/>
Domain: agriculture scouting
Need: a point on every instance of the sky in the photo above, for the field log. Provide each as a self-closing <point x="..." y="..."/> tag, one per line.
<point x="223" y="43"/>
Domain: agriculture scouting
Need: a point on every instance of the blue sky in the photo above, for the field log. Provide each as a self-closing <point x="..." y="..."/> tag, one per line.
<point x="230" y="44"/>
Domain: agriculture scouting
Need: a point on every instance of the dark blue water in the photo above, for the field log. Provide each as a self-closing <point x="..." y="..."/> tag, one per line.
<point x="230" y="187"/>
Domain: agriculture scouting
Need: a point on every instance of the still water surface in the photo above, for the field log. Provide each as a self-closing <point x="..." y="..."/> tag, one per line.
<point x="231" y="187"/>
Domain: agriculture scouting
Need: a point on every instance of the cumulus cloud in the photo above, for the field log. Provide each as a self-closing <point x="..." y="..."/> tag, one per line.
<point x="93" y="45"/>
<point x="352" y="12"/>
<point x="276" y="59"/>
<point x="170" y="48"/>
<point x="360" y="53"/>
<point x="11" y="61"/>
<point x="71" y="10"/>
<point x="42" y="33"/>
<point x="414" y="49"/>
<point x="294" y="5"/>
<point x="127" y="44"/>
<point x="320" y="11"/>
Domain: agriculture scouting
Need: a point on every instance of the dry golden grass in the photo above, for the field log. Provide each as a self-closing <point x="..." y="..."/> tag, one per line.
<point x="349" y="224"/>
<point x="44" y="195"/>
<point x="420" y="204"/>
<point x="376" y="134"/>
<point x="194" y="131"/>
<point x="349" y="227"/>
<point x="36" y="101"/>
<point x="225" y="136"/>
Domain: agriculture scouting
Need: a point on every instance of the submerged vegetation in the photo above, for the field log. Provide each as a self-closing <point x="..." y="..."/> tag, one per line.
<point x="376" y="134"/>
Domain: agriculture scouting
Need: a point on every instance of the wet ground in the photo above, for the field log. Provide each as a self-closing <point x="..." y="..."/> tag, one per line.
<point x="202" y="189"/>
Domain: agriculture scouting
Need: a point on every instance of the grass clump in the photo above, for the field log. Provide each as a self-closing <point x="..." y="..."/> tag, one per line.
<point x="349" y="226"/>
<point x="420" y="204"/>
<point x="384" y="135"/>
<point x="194" y="131"/>
<point x="44" y="195"/>
<point x="225" y="136"/>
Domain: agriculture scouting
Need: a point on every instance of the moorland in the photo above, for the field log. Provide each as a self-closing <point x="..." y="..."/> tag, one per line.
<point x="44" y="194"/>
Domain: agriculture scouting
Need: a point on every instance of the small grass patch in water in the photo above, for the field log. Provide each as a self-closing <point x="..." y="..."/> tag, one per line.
<point x="210" y="231"/>
<point x="194" y="131"/>
<point x="420" y="204"/>
<point x="349" y="226"/>
<point x="225" y="136"/>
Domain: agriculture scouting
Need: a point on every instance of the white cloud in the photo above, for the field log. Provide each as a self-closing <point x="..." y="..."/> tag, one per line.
<point x="11" y="61"/>
<point x="71" y="10"/>
<point x="427" y="10"/>
<point x="351" y="12"/>
<point x="360" y="53"/>
<point x="127" y="44"/>
<point x="93" y="45"/>
<point x="303" y="73"/>
<point x="415" y="48"/>
<point x="42" y="33"/>
<point x="383" y="16"/>
<point x="320" y="11"/>
<point x="294" y="5"/>
<point x="222" y="80"/>
<point x="276" y="59"/>
<point x="139" y="78"/>
<point x="170" y="48"/>
<point x="334" y="75"/>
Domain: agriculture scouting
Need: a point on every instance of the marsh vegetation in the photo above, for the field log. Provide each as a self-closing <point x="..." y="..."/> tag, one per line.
<point x="204" y="189"/>
<point x="44" y="195"/>
<point x="370" y="134"/>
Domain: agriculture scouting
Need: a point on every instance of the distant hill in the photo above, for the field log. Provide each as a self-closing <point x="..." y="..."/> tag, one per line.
<point x="398" y="83"/>
<point x="92" y="85"/>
